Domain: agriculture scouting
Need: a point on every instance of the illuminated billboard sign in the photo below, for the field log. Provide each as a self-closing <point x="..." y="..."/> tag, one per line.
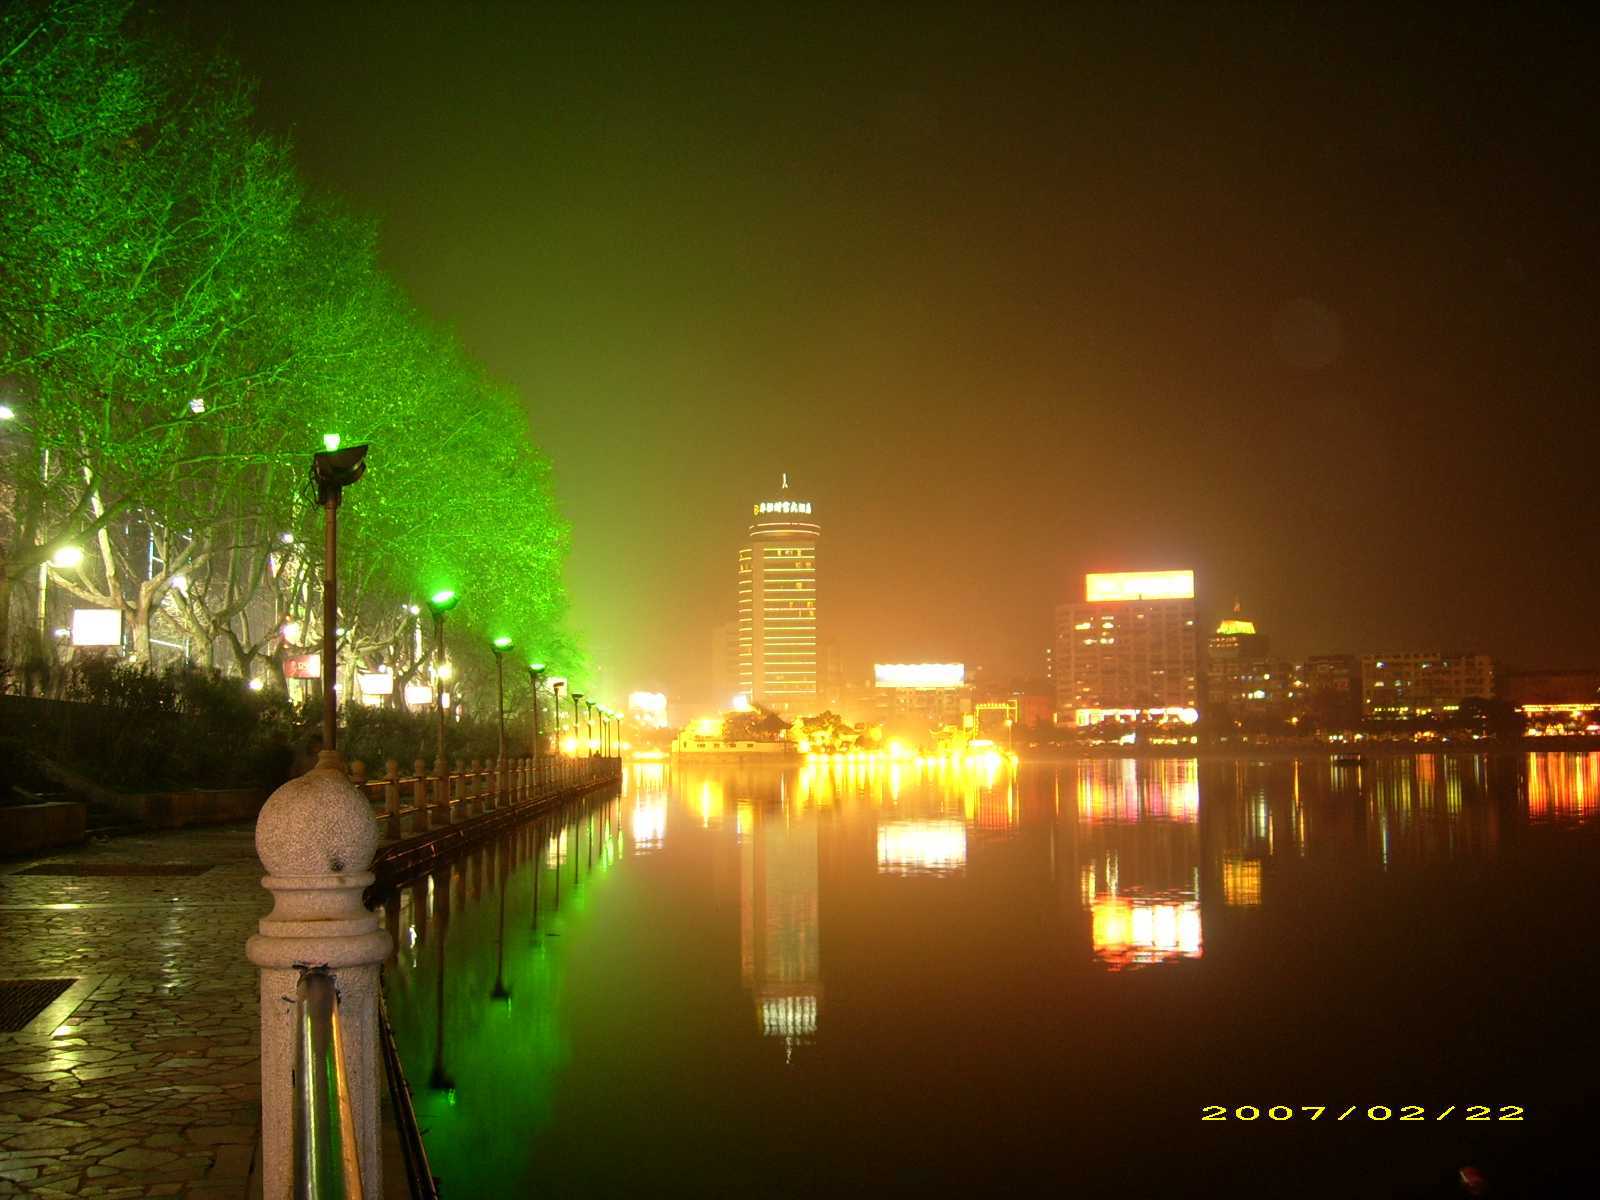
<point x="96" y="626"/>
<point x="782" y="506"/>
<point x="376" y="683"/>
<point x="918" y="675"/>
<point x="1139" y="585"/>
<point x="303" y="666"/>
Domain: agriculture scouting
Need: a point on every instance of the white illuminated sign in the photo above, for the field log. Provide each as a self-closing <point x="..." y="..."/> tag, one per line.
<point x="783" y="506"/>
<point x="418" y="693"/>
<point x="918" y="675"/>
<point x="1139" y="585"/>
<point x="97" y="627"/>
<point x="378" y="683"/>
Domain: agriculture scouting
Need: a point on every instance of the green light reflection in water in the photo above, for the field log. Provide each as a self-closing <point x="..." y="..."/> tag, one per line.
<point x="503" y="1026"/>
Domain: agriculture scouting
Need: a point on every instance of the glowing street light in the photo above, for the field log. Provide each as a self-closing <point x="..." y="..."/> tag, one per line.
<point x="67" y="557"/>
<point x="577" y="699"/>
<point x="332" y="471"/>
<point x="500" y="646"/>
<point x="535" y="674"/>
<point x="7" y="413"/>
<point x="440" y="603"/>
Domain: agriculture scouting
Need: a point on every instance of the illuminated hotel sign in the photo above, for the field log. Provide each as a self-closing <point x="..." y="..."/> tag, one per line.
<point x="1139" y="585"/>
<point x="783" y="506"/>
<point x="918" y="675"/>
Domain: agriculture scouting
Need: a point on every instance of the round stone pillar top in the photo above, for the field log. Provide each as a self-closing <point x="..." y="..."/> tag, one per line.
<point x="317" y="824"/>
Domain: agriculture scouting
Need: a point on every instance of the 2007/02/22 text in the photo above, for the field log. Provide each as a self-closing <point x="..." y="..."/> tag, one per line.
<point x="1372" y="1112"/>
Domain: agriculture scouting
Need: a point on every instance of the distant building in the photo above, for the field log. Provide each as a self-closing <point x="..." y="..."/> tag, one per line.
<point x="1396" y="686"/>
<point x="777" y="620"/>
<point x="1554" y="702"/>
<point x="933" y="694"/>
<point x="1128" y="646"/>
<point x="725" y="679"/>
<point x="1236" y="662"/>
<point x="1330" y="690"/>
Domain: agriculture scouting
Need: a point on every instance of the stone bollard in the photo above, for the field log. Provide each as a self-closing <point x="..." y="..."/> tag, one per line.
<point x="316" y="837"/>
<point x="391" y="796"/>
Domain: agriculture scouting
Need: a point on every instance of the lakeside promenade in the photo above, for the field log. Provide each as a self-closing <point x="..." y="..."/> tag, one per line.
<point x="143" y="1079"/>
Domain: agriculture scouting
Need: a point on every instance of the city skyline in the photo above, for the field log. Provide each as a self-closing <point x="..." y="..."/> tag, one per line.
<point x="1031" y="293"/>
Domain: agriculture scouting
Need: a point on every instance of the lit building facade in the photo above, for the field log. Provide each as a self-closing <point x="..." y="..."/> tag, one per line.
<point x="932" y="694"/>
<point x="777" y="621"/>
<point x="1129" y="645"/>
<point x="1234" y="657"/>
<point x="1419" y="685"/>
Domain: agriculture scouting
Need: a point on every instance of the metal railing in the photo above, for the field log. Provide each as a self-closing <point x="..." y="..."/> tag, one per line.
<point x="326" y="1160"/>
<point x="419" y="1176"/>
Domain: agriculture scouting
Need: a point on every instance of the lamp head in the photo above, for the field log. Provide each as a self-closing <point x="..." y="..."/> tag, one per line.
<point x="334" y="469"/>
<point x="501" y="645"/>
<point x="442" y="602"/>
<point x="536" y="667"/>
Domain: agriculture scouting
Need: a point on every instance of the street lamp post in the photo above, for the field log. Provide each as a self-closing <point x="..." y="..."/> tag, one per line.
<point x="577" y="698"/>
<point x="588" y="727"/>
<point x="535" y="673"/>
<point x="332" y="470"/>
<point x="500" y="645"/>
<point x="438" y="604"/>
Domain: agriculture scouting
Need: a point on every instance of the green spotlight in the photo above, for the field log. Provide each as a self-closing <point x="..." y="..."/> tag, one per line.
<point x="443" y="601"/>
<point x="330" y="442"/>
<point x="502" y="644"/>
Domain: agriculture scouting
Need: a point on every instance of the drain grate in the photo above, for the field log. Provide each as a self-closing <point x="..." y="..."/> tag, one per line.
<point x="21" y="1000"/>
<point x="85" y="869"/>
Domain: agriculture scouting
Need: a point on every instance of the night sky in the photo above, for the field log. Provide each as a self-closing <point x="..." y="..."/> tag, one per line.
<point x="1303" y="299"/>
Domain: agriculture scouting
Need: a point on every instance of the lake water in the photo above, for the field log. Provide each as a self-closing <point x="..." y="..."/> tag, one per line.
<point x="857" y="979"/>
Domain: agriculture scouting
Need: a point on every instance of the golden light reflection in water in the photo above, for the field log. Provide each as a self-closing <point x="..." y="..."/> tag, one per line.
<point x="1241" y="881"/>
<point x="1133" y="932"/>
<point x="648" y="825"/>
<point x="930" y="847"/>
<point x="1563" y="788"/>
<point x="1139" y="873"/>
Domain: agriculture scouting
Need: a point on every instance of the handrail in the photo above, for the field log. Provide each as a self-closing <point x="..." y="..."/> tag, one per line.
<point x="322" y="1096"/>
<point x="419" y="1176"/>
<point x="419" y="800"/>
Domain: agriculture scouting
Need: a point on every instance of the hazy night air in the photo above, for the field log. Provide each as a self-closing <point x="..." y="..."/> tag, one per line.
<point x="1302" y="299"/>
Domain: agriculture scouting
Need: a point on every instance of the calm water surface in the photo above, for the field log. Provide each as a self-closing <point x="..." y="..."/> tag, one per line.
<point x="854" y="979"/>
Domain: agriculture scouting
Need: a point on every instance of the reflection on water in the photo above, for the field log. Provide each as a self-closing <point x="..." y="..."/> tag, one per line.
<point x="1563" y="788"/>
<point x="1139" y="859"/>
<point x="933" y="847"/>
<point x="766" y="923"/>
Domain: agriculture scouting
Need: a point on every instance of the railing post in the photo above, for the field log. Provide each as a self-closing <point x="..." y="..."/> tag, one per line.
<point x="458" y="783"/>
<point x="391" y="796"/>
<point x="475" y="788"/>
<point x="419" y="797"/>
<point x="441" y="795"/>
<point x="316" y="836"/>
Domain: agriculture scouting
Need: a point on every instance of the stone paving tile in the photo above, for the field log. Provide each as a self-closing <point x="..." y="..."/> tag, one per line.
<point x="150" y="1087"/>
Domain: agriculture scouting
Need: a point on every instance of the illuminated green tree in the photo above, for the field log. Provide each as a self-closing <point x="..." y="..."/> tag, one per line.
<point x="180" y="322"/>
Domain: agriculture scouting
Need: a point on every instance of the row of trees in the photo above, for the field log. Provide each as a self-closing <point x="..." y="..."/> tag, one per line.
<point x="181" y="320"/>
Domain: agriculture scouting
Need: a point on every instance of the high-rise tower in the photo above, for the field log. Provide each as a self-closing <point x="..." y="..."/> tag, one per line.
<point x="778" y="605"/>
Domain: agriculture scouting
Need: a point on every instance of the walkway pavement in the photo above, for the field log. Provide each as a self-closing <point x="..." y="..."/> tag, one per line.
<point x="143" y="1078"/>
